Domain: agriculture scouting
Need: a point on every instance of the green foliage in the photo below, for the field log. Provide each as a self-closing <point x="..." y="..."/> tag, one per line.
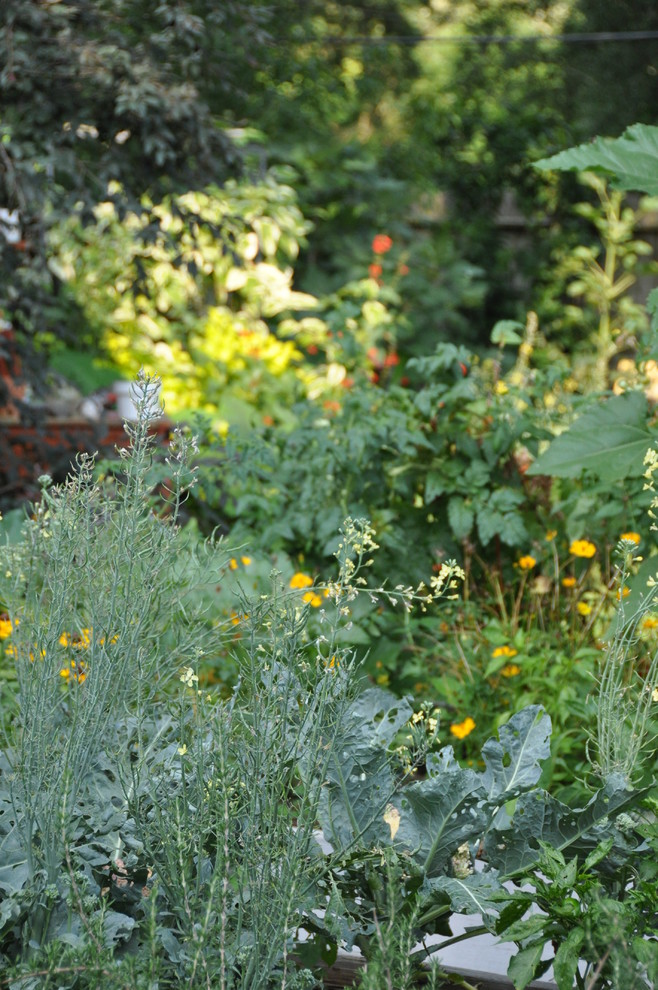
<point x="133" y="848"/>
<point x="608" y="440"/>
<point x="628" y="161"/>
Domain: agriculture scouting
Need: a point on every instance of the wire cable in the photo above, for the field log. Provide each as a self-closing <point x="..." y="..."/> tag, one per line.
<point x="583" y="38"/>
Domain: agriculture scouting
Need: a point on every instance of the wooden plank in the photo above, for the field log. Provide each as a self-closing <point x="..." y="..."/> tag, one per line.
<point x="345" y="971"/>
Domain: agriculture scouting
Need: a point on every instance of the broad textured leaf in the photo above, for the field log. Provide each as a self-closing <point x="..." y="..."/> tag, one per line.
<point x="359" y="777"/>
<point x="474" y="894"/>
<point x="539" y="817"/>
<point x="440" y="813"/>
<point x="630" y="161"/>
<point x="609" y="440"/>
<point x="512" y="762"/>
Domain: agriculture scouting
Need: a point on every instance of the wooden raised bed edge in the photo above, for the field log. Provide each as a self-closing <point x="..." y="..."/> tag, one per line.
<point x="345" y="971"/>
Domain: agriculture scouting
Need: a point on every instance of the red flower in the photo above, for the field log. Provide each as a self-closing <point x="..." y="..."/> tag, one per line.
<point x="464" y="368"/>
<point x="347" y="382"/>
<point x="312" y="349"/>
<point x="374" y="270"/>
<point x="404" y="381"/>
<point x="403" y="269"/>
<point x="391" y="360"/>
<point x="381" y="243"/>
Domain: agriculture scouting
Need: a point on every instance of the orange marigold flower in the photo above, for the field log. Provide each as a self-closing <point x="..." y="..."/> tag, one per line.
<point x="463" y="729"/>
<point x="568" y="582"/>
<point x="381" y="243"/>
<point x="633" y="537"/>
<point x="582" y="548"/>
<point x="527" y="562"/>
<point x="300" y="580"/>
<point x="623" y="593"/>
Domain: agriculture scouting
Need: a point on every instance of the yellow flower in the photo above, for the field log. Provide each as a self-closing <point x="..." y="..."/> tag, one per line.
<point x="313" y="600"/>
<point x="75" y="671"/>
<point x="5" y="628"/>
<point x="463" y="729"/>
<point x="300" y="580"/>
<point x="246" y="561"/>
<point x="383" y="679"/>
<point x="237" y="619"/>
<point x="654" y="694"/>
<point x="633" y="537"/>
<point x="651" y="622"/>
<point x="510" y="670"/>
<point x="526" y="563"/>
<point x="65" y="639"/>
<point x="583" y="608"/>
<point x="500" y="388"/>
<point x="504" y="651"/>
<point x="568" y="582"/>
<point x="623" y="593"/>
<point x="233" y="564"/>
<point x="550" y="535"/>
<point x="582" y="548"/>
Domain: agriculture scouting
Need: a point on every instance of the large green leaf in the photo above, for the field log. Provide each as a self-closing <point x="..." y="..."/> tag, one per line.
<point x="539" y="817"/>
<point x="360" y="779"/>
<point x="439" y="814"/>
<point x="477" y="893"/>
<point x="630" y="161"/>
<point x="513" y="761"/>
<point x="610" y="440"/>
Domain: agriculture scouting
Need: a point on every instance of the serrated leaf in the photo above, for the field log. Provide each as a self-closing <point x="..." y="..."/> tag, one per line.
<point x="630" y="161"/>
<point x="512" y="762"/>
<point x="460" y="517"/>
<point x="474" y="894"/>
<point x="609" y="440"/>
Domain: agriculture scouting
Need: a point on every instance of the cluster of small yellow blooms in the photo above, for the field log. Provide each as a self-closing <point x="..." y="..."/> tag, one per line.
<point x="233" y="563"/>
